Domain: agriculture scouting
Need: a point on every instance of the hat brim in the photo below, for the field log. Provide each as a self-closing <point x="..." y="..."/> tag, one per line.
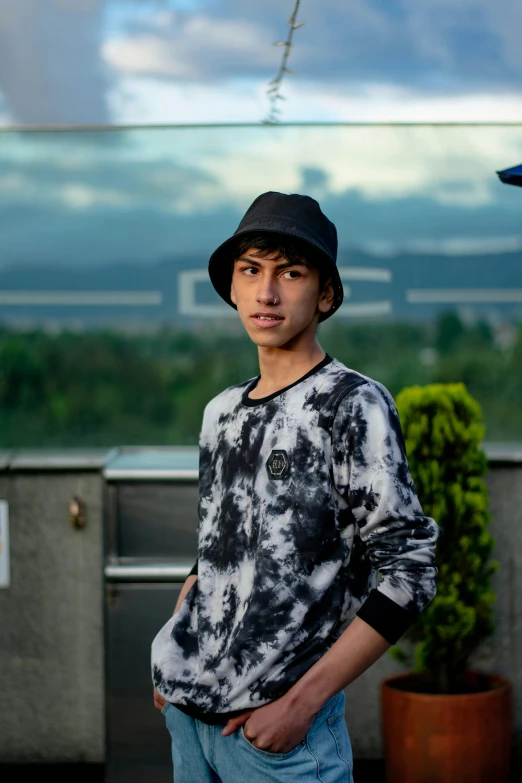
<point x="220" y="268"/>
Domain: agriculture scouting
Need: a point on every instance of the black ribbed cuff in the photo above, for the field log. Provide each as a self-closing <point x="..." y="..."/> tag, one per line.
<point x="385" y="616"/>
<point x="194" y="568"/>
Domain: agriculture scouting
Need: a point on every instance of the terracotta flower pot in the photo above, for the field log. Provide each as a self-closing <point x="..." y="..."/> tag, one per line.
<point x="433" y="738"/>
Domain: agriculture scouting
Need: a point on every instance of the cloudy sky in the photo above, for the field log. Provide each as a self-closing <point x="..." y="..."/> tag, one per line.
<point x="114" y="196"/>
<point x="205" y="61"/>
<point x="85" y="198"/>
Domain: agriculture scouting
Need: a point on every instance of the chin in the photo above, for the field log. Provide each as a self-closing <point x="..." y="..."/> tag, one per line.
<point x="272" y="341"/>
<point x="262" y="338"/>
<point x="263" y="341"/>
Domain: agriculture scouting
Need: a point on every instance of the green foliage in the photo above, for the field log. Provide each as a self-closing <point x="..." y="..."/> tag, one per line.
<point x="102" y="387"/>
<point x="443" y="430"/>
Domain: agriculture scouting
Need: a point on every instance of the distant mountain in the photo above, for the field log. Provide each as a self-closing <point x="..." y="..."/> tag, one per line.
<point x="177" y="290"/>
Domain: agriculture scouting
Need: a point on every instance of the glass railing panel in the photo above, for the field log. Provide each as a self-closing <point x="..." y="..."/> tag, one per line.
<point x="111" y="333"/>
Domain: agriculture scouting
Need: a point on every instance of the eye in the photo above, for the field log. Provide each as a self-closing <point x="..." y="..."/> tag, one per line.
<point x="292" y="272"/>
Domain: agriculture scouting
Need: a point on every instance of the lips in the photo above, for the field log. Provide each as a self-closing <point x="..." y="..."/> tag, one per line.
<point x="267" y="319"/>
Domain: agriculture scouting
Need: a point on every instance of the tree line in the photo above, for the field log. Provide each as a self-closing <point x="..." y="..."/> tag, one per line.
<point x="104" y="388"/>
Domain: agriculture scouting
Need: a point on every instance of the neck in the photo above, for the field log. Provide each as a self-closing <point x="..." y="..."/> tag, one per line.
<point x="280" y="367"/>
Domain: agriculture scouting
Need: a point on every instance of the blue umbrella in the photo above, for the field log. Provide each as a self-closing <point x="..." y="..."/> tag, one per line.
<point x="511" y="176"/>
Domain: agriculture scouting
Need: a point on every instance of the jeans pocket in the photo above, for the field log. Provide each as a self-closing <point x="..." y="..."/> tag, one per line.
<point x="338" y="729"/>
<point x="334" y="705"/>
<point x="267" y="753"/>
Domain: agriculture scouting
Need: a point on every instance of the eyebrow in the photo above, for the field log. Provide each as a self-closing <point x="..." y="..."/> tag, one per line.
<point x="279" y="266"/>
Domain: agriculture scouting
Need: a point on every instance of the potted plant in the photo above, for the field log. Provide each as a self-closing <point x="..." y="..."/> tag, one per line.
<point x="443" y="722"/>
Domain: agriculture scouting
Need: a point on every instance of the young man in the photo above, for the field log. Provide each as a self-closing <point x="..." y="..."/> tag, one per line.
<point x="305" y="495"/>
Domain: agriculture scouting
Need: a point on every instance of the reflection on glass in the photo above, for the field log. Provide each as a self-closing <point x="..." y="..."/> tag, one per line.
<point x="111" y="332"/>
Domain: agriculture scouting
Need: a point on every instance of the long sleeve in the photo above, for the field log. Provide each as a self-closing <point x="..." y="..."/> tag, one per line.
<point x="371" y="474"/>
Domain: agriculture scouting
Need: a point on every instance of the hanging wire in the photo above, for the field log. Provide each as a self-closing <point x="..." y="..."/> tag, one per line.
<point x="274" y="86"/>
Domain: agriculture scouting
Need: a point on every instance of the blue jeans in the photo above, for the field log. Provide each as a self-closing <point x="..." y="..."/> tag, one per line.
<point x="200" y="753"/>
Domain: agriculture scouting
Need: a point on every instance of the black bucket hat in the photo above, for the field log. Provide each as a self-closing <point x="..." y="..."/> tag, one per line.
<point x="290" y="215"/>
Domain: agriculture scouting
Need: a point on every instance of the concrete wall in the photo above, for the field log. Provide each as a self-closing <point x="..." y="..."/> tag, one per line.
<point x="51" y="618"/>
<point x="503" y="652"/>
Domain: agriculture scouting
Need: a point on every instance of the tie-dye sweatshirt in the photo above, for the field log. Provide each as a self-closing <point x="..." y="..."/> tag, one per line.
<point x="308" y="516"/>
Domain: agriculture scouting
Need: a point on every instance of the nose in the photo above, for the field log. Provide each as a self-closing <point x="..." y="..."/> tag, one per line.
<point x="267" y="291"/>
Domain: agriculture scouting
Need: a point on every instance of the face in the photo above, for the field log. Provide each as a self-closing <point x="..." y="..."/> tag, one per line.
<point x="277" y="300"/>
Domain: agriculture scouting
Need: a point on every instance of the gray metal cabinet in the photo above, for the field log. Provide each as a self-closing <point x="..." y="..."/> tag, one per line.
<point x="150" y="511"/>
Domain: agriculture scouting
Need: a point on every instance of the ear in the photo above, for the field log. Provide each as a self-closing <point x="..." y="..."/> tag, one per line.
<point x="327" y="297"/>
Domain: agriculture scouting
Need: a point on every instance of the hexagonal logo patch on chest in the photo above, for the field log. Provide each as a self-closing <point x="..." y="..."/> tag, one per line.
<point x="277" y="464"/>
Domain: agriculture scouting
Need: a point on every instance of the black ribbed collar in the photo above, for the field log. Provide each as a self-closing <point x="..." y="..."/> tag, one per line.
<point x="246" y="400"/>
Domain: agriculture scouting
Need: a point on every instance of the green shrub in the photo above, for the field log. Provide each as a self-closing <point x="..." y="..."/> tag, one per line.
<point x="443" y="429"/>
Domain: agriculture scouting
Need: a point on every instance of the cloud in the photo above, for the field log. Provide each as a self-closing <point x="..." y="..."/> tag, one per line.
<point x="244" y="100"/>
<point x="436" y="61"/>
<point x="195" y="47"/>
<point x="478" y="37"/>
<point x="163" y="102"/>
<point x="137" y="196"/>
<point x="99" y="61"/>
<point x="455" y="166"/>
<point x="388" y="103"/>
<point x="196" y="169"/>
<point x="440" y="45"/>
<point x="105" y="178"/>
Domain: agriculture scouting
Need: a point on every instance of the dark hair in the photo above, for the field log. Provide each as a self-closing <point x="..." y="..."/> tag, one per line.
<point x="291" y="249"/>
